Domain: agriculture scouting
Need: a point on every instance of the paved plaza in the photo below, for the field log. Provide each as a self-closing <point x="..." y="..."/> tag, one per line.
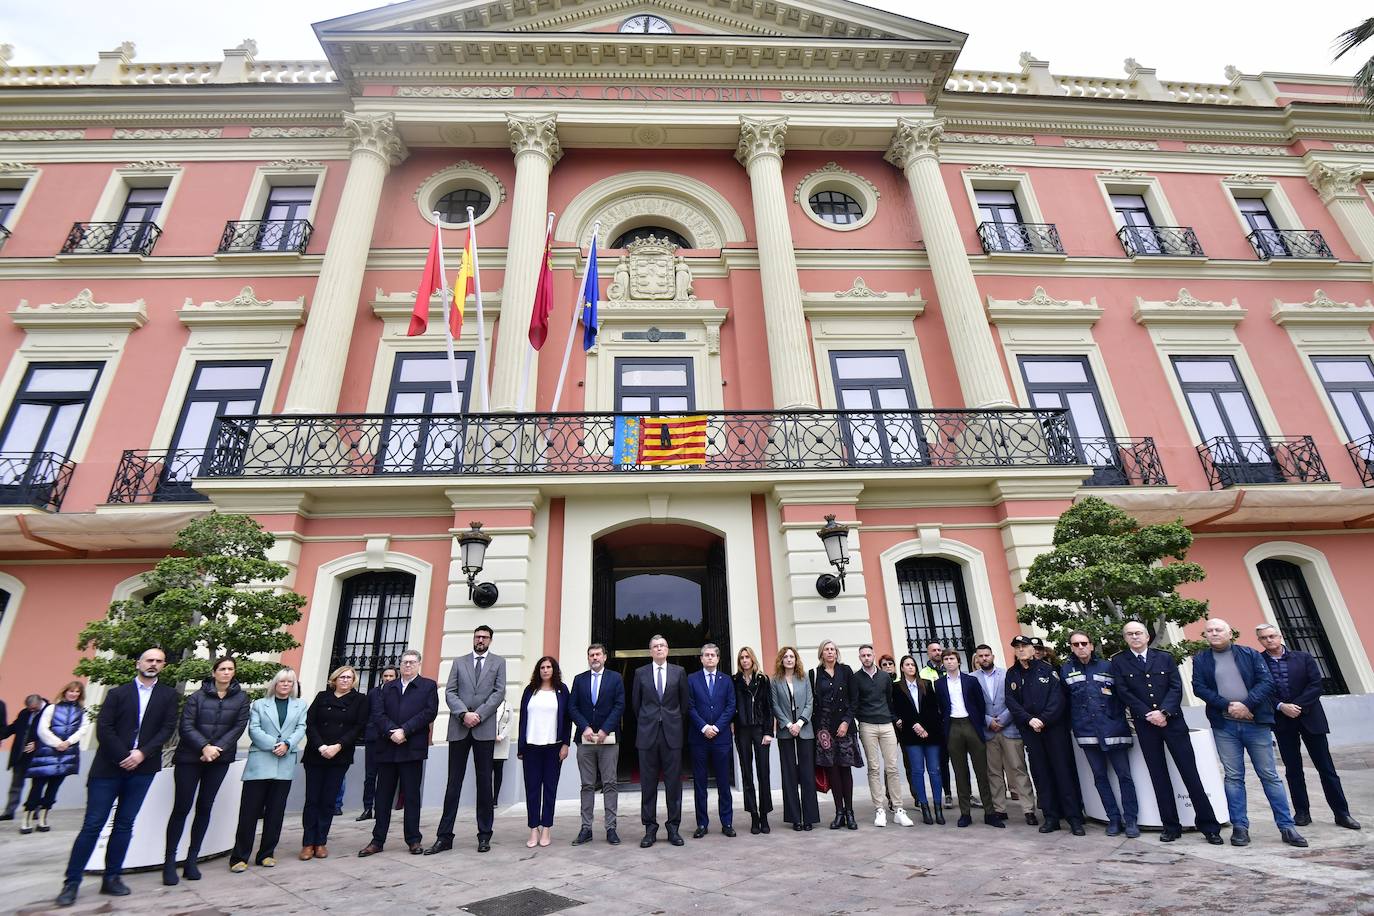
<point x="975" y="870"/>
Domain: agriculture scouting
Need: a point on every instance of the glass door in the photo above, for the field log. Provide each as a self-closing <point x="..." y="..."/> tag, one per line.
<point x="1226" y="420"/>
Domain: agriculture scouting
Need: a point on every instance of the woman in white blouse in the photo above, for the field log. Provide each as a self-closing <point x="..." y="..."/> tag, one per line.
<point x="545" y="732"/>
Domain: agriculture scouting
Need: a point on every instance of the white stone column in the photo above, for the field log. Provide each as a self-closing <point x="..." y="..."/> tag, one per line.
<point x="318" y="377"/>
<point x="1339" y="188"/>
<point x="535" y="144"/>
<point x="789" y="354"/>
<point x="915" y="150"/>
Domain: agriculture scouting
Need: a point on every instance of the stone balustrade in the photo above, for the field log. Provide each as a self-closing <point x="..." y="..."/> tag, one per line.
<point x="118" y="68"/>
<point x="1035" y="78"/>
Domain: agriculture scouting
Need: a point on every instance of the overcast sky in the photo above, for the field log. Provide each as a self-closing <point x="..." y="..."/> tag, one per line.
<point x="1182" y="39"/>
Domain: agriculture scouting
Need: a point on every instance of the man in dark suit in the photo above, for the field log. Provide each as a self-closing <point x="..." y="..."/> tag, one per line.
<point x="1300" y="718"/>
<point x="405" y="709"/>
<point x="476" y="687"/>
<point x="660" y="701"/>
<point x="965" y="712"/>
<point x="711" y="707"/>
<point x="135" y="720"/>
<point x="1035" y="697"/>
<point x="24" y="729"/>
<point x="1148" y="682"/>
<point x="596" y="706"/>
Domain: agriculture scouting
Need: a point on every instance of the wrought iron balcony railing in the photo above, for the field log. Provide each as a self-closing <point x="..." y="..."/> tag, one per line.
<point x="265" y="235"/>
<point x="156" y="477"/>
<point x="1362" y="454"/>
<point x="1159" y="241"/>
<point x="1229" y="461"/>
<point x="38" y="479"/>
<point x="1025" y="238"/>
<point x="497" y="444"/>
<point x="112" y="238"/>
<point x="1289" y="243"/>
<point x="4" y="236"/>
<point x="1122" y="463"/>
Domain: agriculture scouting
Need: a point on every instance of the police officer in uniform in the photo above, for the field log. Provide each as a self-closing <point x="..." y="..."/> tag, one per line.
<point x="1101" y="730"/>
<point x="1040" y="710"/>
<point x="1148" y="682"/>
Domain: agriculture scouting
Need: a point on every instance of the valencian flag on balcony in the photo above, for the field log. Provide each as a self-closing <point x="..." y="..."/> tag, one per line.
<point x="660" y="440"/>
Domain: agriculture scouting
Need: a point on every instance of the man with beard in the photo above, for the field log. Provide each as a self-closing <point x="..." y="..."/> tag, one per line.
<point x="1006" y="750"/>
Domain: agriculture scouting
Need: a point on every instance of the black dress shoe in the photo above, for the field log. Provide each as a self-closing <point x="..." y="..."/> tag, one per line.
<point x="1168" y="836"/>
<point x="439" y="846"/>
<point x="993" y="820"/>
<point x="68" y="895"/>
<point x="798" y="826"/>
<point x="1292" y="837"/>
<point x="1077" y="829"/>
<point x="612" y="837"/>
<point x="763" y="824"/>
<point x="1050" y="826"/>
<point x="728" y="830"/>
<point x="583" y="836"/>
<point x="1214" y="838"/>
<point x="1348" y="822"/>
<point x="365" y="816"/>
<point x="675" y="838"/>
<point x="1240" y="836"/>
<point x="964" y="820"/>
<point x="1031" y="819"/>
<point x="417" y="849"/>
<point x="371" y="849"/>
<point x="806" y="826"/>
<point x="9" y="816"/>
<point x="849" y="820"/>
<point x="114" y="887"/>
<point x="838" y="822"/>
<point x="1302" y="818"/>
<point x="698" y="833"/>
<point x="649" y="836"/>
<point x="484" y="845"/>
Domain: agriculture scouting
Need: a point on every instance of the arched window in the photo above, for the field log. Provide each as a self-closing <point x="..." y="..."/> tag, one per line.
<point x="453" y="206"/>
<point x="374" y="624"/>
<point x="836" y="207"/>
<point x="934" y="605"/>
<point x="1298" y="620"/>
<point x="643" y="232"/>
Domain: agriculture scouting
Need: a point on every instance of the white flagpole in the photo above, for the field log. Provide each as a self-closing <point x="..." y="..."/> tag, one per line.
<point x="527" y="357"/>
<point x="481" y="324"/>
<point x="448" y="329"/>
<point x="577" y="312"/>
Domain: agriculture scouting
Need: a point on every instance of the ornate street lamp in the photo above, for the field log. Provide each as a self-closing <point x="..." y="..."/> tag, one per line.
<point x="472" y="548"/>
<point x="835" y="537"/>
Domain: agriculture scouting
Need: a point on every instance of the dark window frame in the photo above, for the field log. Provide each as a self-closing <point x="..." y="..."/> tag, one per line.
<point x="173" y="479"/>
<point x="53" y="399"/>
<point x="836" y="208"/>
<point x="460" y="217"/>
<point x="7" y="207"/>
<point x="1239" y="470"/>
<point x="1108" y="474"/>
<point x="654" y="393"/>
<point x="853" y="418"/>
<point x="388" y="588"/>
<point x="1299" y="620"/>
<point x="1355" y="388"/>
<point x="659" y="232"/>
<point x="918" y="573"/>
<point x="426" y="426"/>
<point x="148" y="214"/>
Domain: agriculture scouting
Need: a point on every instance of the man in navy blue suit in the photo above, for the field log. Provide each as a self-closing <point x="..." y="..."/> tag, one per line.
<point x="403" y="712"/>
<point x="711" y="707"/>
<point x="965" y="711"/>
<point x="596" y="707"/>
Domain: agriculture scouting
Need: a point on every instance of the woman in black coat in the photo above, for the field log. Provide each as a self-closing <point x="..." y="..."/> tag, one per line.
<point x="837" y="741"/>
<point x="212" y="721"/>
<point x="920" y="732"/>
<point x="753" y="735"/>
<point x="334" y="725"/>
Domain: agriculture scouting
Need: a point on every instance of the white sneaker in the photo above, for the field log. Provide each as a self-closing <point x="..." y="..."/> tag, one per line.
<point x="901" y="818"/>
<point x="880" y="818"/>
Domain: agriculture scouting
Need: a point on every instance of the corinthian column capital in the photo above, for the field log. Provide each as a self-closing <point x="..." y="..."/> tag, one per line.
<point x="760" y="137"/>
<point x="535" y="135"/>
<point x="914" y="140"/>
<point x="1332" y="181"/>
<point x="376" y="134"/>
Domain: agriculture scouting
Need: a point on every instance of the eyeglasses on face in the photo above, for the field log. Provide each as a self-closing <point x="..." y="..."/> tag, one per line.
<point x="1079" y="642"/>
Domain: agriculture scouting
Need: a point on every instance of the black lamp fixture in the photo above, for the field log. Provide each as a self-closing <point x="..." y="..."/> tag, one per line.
<point x="472" y="547"/>
<point x="835" y="537"/>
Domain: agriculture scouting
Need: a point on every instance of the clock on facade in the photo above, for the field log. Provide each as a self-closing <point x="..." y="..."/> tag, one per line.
<point x="649" y="25"/>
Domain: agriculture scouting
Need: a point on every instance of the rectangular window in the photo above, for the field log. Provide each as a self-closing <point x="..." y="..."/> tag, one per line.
<point x="428" y="434"/>
<point x="1263" y="227"/>
<point x="652" y="385"/>
<point x="218" y="389"/>
<point x="1226" y="420"/>
<point x="9" y="199"/>
<point x="137" y="219"/>
<point x="873" y="388"/>
<point x="1133" y="215"/>
<point x="1067" y="383"/>
<point x="42" y="425"/>
<point x="1003" y="211"/>
<point x="1349" y="383"/>
<point x="284" y="218"/>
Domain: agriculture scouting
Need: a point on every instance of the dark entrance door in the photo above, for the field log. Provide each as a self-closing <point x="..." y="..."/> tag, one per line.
<point x="660" y="579"/>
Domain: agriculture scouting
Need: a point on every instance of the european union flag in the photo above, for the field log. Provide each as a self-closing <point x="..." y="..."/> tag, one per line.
<point x="591" y="321"/>
<point x="627" y="440"/>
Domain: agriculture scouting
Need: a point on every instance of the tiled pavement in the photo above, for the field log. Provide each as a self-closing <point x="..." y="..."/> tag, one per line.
<point x="976" y="870"/>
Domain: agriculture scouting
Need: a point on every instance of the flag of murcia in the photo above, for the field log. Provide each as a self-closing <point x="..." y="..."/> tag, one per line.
<point x="672" y="440"/>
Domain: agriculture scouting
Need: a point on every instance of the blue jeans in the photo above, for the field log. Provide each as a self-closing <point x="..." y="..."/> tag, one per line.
<point x="925" y="759"/>
<point x="1120" y="758"/>
<point x="101" y="795"/>
<point x="1233" y="741"/>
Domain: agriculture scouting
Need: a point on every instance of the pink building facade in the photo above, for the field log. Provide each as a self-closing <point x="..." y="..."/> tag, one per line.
<point x="937" y="304"/>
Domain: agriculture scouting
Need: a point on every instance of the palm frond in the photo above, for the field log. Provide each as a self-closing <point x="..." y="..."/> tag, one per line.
<point x="1352" y="38"/>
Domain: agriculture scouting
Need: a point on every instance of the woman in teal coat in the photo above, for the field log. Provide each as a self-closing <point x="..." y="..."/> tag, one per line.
<point x="276" y="731"/>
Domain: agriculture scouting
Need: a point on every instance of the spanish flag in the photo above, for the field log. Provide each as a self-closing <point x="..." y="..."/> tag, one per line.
<point x="672" y="440"/>
<point x="463" y="287"/>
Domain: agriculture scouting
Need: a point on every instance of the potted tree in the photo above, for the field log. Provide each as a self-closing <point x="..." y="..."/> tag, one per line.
<point x="1106" y="568"/>
<point x="213" y="596"/>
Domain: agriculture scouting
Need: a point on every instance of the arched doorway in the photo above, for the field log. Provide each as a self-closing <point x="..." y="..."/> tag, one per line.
<point x="649" y="579"/>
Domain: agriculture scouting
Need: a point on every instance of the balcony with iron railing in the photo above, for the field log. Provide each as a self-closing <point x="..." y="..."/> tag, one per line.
<point x="156" y="477"/>
<point x="4" y="236"/>
<point x="1270" y="244"/>
<point x="1122" y="462"/>
<point x="1159" y="242"/>
<point x="265" y="236"/>
<point x="112" y="238"/>
<point x="1228" y="461"/>
<point x="37" y="479"/>
<point x="1362" y="454"/>
<point x="1020" y="238"/>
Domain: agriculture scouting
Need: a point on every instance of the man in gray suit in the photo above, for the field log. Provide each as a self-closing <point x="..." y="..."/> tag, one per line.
<point x="660" y="702"/>
<point x="1006" y="750"/>
<point x="476" y="687"/>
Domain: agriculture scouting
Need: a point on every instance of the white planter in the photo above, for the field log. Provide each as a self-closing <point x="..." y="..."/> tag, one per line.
<point x="150" y="828"/>
<point x="1208" y="768"/>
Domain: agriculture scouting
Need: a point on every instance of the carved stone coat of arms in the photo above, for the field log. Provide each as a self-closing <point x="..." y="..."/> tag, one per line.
<point x="651" y="271"/>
